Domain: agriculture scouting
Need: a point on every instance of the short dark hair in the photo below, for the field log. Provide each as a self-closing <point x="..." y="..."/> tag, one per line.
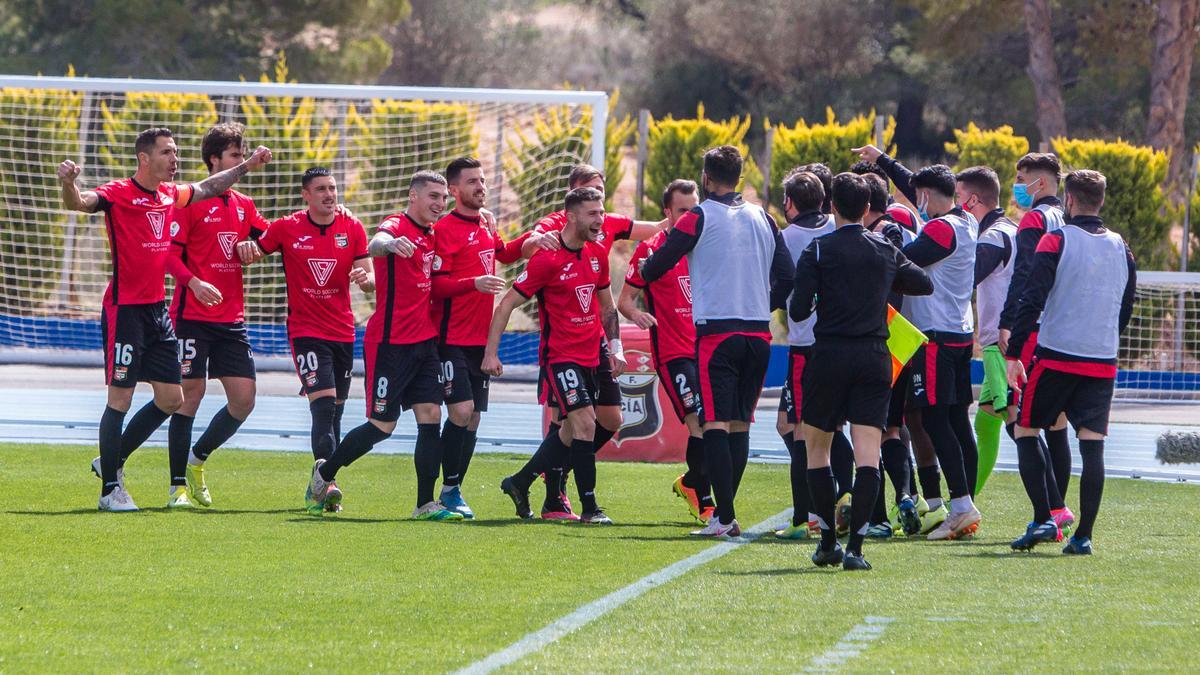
<point x="850" y="195"/>
<point x="804" y="190"/>
<point x="1087" y="188"/>
<point x="822" y="172"/>
<point x="580" y="195"/>
<point x="420" y="178"/>
<point x="879" y="192"/>
<point x="723" y="165"/>
<point x="583" y="173"/>
<point x="863" y="167"/>
<point x="314" y="173"/>
<point x="983" y="181"/>
<point x="938" y="178"/>
<point x="1041" y="161"/>
<point x="456" y="167"/>
<point x="147" y="139"/>
<point x="219" y="138"/>
<point x="682" y="186"/>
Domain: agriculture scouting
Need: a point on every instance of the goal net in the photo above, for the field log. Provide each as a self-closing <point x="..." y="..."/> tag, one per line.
<point x="1160" y="351"/>
<point x="56" y="265"/>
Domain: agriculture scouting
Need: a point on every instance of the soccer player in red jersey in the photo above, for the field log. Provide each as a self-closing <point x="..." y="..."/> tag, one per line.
<point x="139" y="341"/>
<point x="208" y="312"/>
<point x="403" y="369"/>
<point x="576" y="310"/>
<point x="668" y="317"/>
<point x="323" y="249"/>
<point x="464" y="286"/>
<point x="608" y="399"/>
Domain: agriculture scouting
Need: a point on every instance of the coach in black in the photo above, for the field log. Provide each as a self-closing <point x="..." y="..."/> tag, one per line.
<point x="845" y="277"/>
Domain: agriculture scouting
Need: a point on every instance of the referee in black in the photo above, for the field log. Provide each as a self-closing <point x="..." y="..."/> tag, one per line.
<point x="845" y="277"/>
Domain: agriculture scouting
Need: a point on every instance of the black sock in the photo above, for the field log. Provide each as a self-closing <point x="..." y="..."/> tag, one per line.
<point x="841" y="460"/>
<point x="179" y="440"/>
<point x="554" y="473"/>
<point x="1056" y="498"/>
<point x="583" y="461"/>
<point x="321" y="433"/>
<point x="601" y="437"/>
<point x="964" y="431"/>
<point x="427" y="457"/>
<point x="719" y="466"/>
<point x="357" y="443"/>
<point x="222" y="427"/>
<point x="820" y="484"/>
<point x="879" y="512"/>
<point x="866" y="492"/>
<point x="338" y="409"/>
<point x="145" y="422"/>
<point x="110" y="447"/>
<point x="549" y="454"/>
<point x="801" y="498"/>
<point x="912" y="475"/>
<point x="695" y="476"/>
<point x="936" y="420"/>
<point x="470" y="436"/>
<point x="1060" y="458"/>
<point x="739" y="454"/>
<point x="452" y="444"/>
<point x="931" y="481"/>
<point x="1091" y="486"/>
<point x="895" y="462"/>
<point x="1032" y="466"/>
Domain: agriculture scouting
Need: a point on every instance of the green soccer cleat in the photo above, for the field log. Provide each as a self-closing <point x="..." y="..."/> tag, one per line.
<point x="932" y="519"/>
<point x="793" y="532"/>
<point x="321" y="495"/>
<point x="436" y="512"/>
<point x="196" y="487"/>
<point x="179" y="500"/>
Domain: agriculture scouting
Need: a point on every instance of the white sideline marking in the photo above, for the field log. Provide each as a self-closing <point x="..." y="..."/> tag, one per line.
<point x="851" y="645"/>
<point x="539" y="639"/>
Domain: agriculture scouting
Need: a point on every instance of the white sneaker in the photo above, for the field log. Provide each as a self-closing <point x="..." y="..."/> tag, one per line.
<point x="117" y="500"/>
<point x="716" y="528"/>
<point x="120" y="472"/>
<point x="957" y="525"/>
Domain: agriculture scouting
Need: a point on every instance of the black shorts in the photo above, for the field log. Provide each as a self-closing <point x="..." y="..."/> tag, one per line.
<point x="608" y="390"/>
<point x="681" y="379"/>
<point x="567" y="386"/>
<point x="212" y="350"/>
<point x="792" y="397"/>
<point x="941" y="374"/>
<point x="462" y="375"/>
<point x="139" y="345"/>
<point x="1085" y="399"/>
<point x="732" y="368"/>
<point x="899" y="398"/>
<point x="847" y="382"/>
<point x="323" y="364"/>
<point x="400" y="377"/>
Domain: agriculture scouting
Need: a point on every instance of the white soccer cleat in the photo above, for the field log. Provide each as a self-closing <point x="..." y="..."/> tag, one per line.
<point x="716" y="528"/>
<point x="117" y="500"/>
<point x="957" y="525"/>
<point x="120" y="472"/>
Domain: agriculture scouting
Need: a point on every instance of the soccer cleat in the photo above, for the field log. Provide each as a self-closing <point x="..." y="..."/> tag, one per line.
<point x="823" y="558"/>
<point x="854" y="562"/>
<point x="320" y="493"/>
<point x="814" y="527"/>
<point x="880" y="531"/>
<point x="1078" y="546"/>
<point x="117" y="500"/>
<point x="559" y="509"/>
<point x="120" y="472"/>
<point x="706" y="514"/>
<point x="452" y="499"/>
<point x="841" y="517"/>
<point x="690" y="496"/>
<point x="793" y="532"/>
<point x="931" y="520"/>
<point x="179" y="499"/>
<point x="957" y="525"/>
<point x="435" y="511"/>
<point x="1035" y="533"/>
<point x="1064" y="519"/>
<point x="196" y="487"/>
<point x="596" y="517"/>
<point x="519" y="497"/>
<point x="910" y="520"/>
<point x="332" y="506"/>
<point x="715" y="528"/>
<point x="922" y="506"/>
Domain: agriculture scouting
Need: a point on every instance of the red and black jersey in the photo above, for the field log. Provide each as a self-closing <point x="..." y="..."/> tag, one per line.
<point x="316" y="266"/>
<point x="465" y="249"/>
<point x="1033" y="225"/>
<point x="615" y="227"/>
<point x="205" y="235"/>
<point x="403" y="287"/>
<point x="565" y="283"/>
<point x="139" y="238"/>
<point x="669" y="300"/>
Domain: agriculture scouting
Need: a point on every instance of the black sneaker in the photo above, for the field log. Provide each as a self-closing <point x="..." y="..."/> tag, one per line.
<point x="519" y="497"/>
<point x="1035" y="533"/>
<point x="1078" y="546"/>
<point x="852" y="562"/>
<point x="823" y="558"/>
<point x="596" y="517"/>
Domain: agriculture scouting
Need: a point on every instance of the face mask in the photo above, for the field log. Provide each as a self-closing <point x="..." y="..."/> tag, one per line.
<point x="922" y="205"/>
<point x="1022" y="196"/>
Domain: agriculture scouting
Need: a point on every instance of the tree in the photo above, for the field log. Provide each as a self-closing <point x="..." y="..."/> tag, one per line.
<point x="1043" y="71"/>
<point x="1175" y="29"/>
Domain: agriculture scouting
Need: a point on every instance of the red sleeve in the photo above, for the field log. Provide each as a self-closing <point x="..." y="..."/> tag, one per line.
<point x="537" y="274"/>
<point x="108" y="194"/>
<point x="622" y="227"/>
<point x="509" y="253"/>
<point x="688" y="222"/>
<point x="941" y="232"/>
<point x="604" y="281"/>
<point x="633" y="275"/>
<point x="445" y="287"/>
<point x="269" y="241"/>
<point x="177" y="268"/>
<point x="258" y="224"/>
<point x="1032" y="220"/>
<point x="1049" y="244"/>
<point x="358" y="233"/>
<point x="548" y="224"/>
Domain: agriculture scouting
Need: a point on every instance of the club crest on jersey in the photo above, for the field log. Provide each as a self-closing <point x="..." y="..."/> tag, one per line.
<point x="341" y="240"/>
<point x="322" y="269"/>
<point x="685" y="283"/>
<point x="427" y="264"/>
<point x="488" y="258"/>
<point x="174" y="227"/>
<point x="585" y="294"/>
<point x="437" y="263"/>
<point x="241" y="214"/>
<point x="522" y="277"/>
<point x="380" y="405"/>
<point x="157" y="220"/>
<point x="227" y="240"/>
<point x="595" y="265"/>
<point x="640" y="413"/>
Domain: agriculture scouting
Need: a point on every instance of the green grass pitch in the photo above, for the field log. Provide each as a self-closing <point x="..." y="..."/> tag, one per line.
<point x="254" y="584"/>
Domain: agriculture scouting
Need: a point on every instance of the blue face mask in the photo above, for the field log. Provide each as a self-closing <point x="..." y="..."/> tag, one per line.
<point x="1022" y="196"/>
<point x="922" y="205"/>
